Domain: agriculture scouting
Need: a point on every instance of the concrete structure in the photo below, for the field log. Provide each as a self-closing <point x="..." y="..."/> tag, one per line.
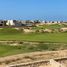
<point x="17" y="23"/>
<point x="27" y="22"/>
<point x="55" y="22"/>
<point x="10" y="23"/>
<point x="2" y="23"/>
<point x="59" y="21"/>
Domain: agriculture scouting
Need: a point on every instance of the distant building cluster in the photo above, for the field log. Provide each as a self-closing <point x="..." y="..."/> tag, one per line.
<point x="26" y="22"/>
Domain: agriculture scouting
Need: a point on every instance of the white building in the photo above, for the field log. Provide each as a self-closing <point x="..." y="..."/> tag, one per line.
<point x="10" y="23"/>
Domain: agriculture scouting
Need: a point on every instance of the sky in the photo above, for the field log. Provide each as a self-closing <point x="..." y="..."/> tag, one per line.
<point x="33" y="9"/>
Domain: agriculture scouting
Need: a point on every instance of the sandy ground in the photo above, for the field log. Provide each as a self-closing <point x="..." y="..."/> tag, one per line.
<point x="33" y="57"/>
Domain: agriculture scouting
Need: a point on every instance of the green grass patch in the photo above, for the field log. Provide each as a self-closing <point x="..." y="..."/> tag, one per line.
<point x="6" y="50"/>
<point x="44" y="37"/>
<point x="52" y="26"/>
<point x="13" y="34"/>
<point x="9" y="31"/>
